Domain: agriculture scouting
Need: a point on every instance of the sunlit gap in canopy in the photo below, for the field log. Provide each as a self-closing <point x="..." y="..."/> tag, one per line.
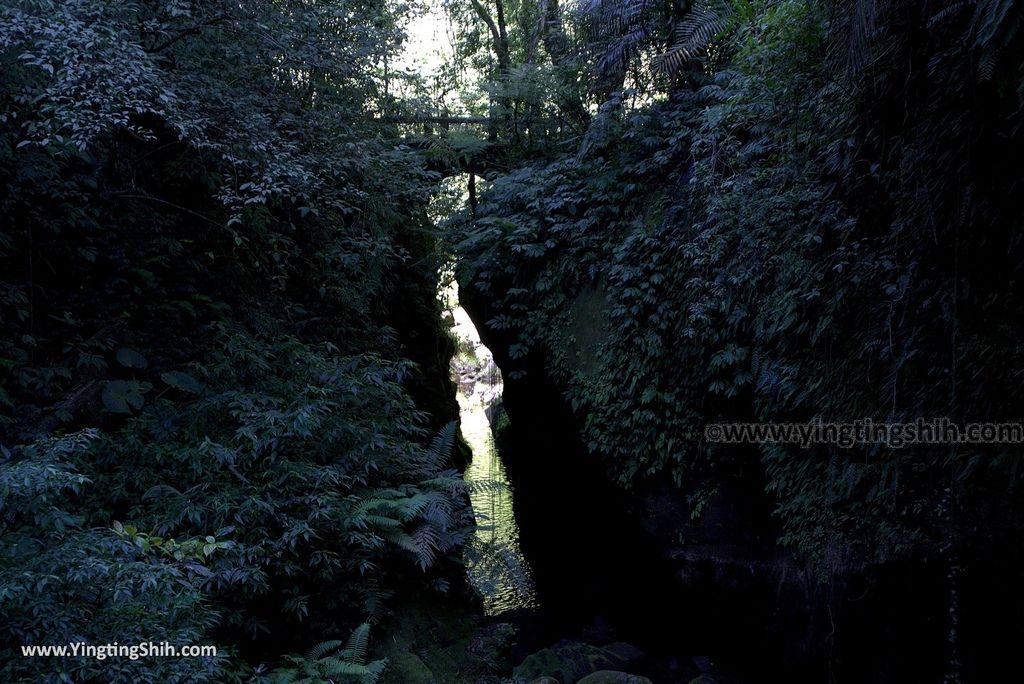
<point x="426" y="56"/>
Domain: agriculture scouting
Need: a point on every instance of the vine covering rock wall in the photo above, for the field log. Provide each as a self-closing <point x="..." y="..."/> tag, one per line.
<point x="798" y="237"/>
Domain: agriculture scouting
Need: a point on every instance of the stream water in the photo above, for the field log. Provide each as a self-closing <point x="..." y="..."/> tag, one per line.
<point x="496" y="566"/>
<point x="574" y="564"/>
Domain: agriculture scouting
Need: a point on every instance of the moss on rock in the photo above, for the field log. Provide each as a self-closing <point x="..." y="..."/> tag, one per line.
<point x="625" y="655"/>
<point x="408" y="668"/>
<point x="704" y="679"/>
<point x="613" y="677"/>
<point x="568" y="661"/>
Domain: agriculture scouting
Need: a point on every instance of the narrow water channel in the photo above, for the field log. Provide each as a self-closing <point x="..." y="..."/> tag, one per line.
<point x="496" y="566"/>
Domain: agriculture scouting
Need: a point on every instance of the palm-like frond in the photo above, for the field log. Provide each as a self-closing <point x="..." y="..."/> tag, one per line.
<point x="621" y="49"/>
<point x="694" y="34"/>
<point x="622" y="29"/>
<point x="618" y="30"/>
<point x="613" y="16"/>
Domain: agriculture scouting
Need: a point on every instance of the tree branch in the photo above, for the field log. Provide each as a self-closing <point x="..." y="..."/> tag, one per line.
<point x="150" y="198"/>
<point x="192" y="30"/>
<point x="486" y="16"/>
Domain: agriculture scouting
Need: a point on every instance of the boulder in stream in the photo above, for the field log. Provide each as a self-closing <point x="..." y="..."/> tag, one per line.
<point x="613" y="677"/>
<point x="568" y="661"/>
<point x="626" y="655"/>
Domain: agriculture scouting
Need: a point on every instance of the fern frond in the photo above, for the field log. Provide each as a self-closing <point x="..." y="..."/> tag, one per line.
<point x="619" y="29"/>
<point x="440" y="449"/>
<point x="991" y="20"/>
<point x="402" y="540"/>
<point x="694" y="34"/>
<point x="374" y="599"/>
<point x="377" y="520"/>
<point x="356" y="648"/>
<point x="619" y="51"/>
<point x="439" y="512"/>
<point x="607" y="17"/>
<point x="378" y="499"/>
<point x="987" y="65"/>
<point x="427" y="540"/>
<point x="994" y="26"/>
<point x="374" y="670"/>
<point x="336" y="667"/>
<point x="327" y="661"/>
<point x="946" y="13"/>
<point x="323" y="649"/>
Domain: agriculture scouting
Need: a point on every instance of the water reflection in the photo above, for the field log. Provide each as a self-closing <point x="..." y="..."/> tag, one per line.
<point x="496" y="566"/>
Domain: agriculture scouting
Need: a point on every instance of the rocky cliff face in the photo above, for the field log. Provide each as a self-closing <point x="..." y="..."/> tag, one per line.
<point x="613" y="562"/>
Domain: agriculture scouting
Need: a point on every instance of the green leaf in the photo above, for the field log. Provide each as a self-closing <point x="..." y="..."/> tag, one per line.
<point x="182" y="381"/>
<point x="120" y="396"/>
<point x="129" y="358"/>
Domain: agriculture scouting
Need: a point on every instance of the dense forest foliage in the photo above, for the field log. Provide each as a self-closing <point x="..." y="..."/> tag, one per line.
<point x="805" y="230"/>
<point x="225" y="412"/>
<point x="815" y="222"/>
<point x="213" y="263"/>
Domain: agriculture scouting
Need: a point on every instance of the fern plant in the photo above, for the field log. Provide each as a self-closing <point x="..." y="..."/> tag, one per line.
<point x="707" y="21"/>
<point x="332" y="662"/>
<point x="622" y="30"/>
<point x="424" y="520"/>
<point x="995" y="24"/>
<point x="618" y="30"/>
